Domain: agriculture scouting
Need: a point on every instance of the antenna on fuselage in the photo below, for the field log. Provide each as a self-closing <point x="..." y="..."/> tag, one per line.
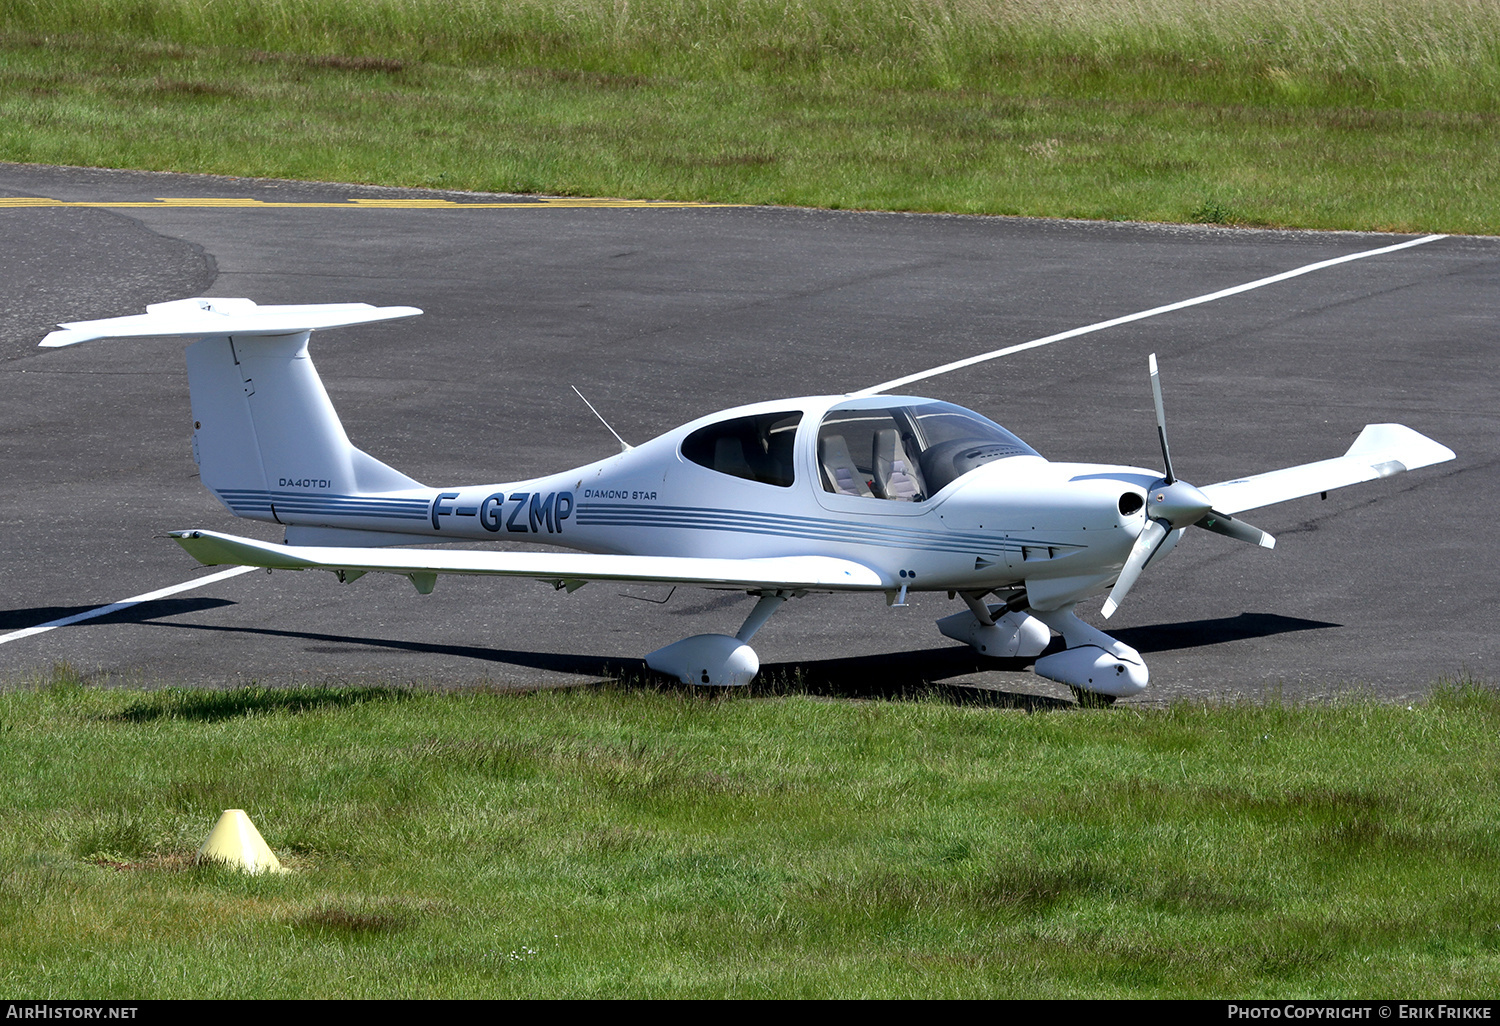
<point x="624" y="445"/>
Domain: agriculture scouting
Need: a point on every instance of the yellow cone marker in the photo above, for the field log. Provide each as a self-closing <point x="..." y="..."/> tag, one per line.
<point x="235" y="842"/>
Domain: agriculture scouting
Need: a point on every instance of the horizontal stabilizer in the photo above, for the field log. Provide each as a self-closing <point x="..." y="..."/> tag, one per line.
<point x="1380" y="451"/>
<point x="204" y="318"/>
<point x="816" y="573"/>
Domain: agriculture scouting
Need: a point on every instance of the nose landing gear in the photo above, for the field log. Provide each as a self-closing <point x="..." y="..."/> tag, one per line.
<point x="1093" y="661"/>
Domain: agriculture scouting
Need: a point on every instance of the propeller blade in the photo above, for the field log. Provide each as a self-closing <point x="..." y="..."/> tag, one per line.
<point x="1152" y="535"/>
<point x="1223" y="523"/>
<point x="1161" y="420"/>
<point x="1170" y="505"/>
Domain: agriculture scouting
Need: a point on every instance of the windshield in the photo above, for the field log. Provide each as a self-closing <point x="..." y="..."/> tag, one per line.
<point x="908" y="450"/>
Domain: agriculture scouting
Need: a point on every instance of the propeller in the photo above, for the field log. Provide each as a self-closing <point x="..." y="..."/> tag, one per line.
<point x="1172" y="505"/>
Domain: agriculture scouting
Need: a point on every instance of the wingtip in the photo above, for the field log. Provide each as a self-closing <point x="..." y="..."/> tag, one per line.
<point x="62" y="337"/>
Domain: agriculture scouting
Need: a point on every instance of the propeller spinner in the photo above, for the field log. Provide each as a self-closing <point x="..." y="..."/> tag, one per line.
<point x="1172" y="505"/>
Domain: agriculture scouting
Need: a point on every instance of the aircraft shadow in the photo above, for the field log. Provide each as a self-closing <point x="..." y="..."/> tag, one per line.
<point x="588" y="666"/>
<point x="36" y="616"/>
<point x="1165" y="637"/>
<point x="924" y="672"/>
<point x="919" y="673"/>
<point x="895" y="675"/>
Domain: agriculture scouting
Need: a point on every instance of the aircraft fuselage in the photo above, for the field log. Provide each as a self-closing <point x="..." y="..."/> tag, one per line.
<point x="1016" y="518"/>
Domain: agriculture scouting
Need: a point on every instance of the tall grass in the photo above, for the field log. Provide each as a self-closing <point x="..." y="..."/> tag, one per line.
<point x="1447" y="51"/>
<point x="1359" y="114"/>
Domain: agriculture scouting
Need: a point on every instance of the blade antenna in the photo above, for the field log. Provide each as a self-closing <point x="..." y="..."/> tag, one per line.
<point x="624" y="445"/>
<point x="1161" y="420"/>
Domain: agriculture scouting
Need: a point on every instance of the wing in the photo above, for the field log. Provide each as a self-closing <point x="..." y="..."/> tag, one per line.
<point x="564" y="569"/>
<point x="1380" y="451"/>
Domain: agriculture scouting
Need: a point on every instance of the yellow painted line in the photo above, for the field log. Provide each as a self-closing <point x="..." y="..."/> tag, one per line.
<point x="246" y="203"/>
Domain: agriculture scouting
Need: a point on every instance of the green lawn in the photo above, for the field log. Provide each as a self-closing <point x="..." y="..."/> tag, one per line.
<point x="624" y="841"/>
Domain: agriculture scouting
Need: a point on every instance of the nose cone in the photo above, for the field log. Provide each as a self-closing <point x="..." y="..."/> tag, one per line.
<point x="1178" y="503"/>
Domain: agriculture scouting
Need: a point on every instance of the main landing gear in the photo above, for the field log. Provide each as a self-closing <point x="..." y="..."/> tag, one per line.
<point x="1098" y="668"/>
<point x="718" y="660"/>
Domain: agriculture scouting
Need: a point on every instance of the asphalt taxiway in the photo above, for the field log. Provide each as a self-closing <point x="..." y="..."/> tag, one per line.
<point x="662" y="314"/>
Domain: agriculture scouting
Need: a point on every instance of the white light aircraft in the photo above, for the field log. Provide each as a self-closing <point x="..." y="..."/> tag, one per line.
<point x="863" y="492"/>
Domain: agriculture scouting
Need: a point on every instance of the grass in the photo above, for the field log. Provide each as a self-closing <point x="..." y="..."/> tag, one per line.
<point x="625" y="841"/>
<point x="1325" y="113"/>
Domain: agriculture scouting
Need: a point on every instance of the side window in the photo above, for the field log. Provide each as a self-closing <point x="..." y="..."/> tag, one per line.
<point x="870" y="453"/>
<point x="754" y="448"/>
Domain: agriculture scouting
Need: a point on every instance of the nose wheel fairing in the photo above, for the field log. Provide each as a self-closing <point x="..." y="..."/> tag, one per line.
<point x="1093" y="661"/>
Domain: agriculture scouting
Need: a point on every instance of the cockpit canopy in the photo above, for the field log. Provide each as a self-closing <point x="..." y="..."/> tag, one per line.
<point x="906" y="450"/>
<point x="897" y="448"/>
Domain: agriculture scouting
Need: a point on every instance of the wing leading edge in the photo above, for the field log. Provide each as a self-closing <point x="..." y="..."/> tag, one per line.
<point x="565" y="569"/>
<point x="1380" y="451"/>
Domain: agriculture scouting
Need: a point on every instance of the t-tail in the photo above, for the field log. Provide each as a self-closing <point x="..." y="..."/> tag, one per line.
<point x="267" y="440"/>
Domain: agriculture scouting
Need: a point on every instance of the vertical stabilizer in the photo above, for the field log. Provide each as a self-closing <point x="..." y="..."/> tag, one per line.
<point x="265" y="435"/>
<point x="264" y="429"/>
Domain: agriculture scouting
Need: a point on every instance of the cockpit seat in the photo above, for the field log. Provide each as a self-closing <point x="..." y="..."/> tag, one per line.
<point x="838" y="467"/>
<point x="896" y="477"/>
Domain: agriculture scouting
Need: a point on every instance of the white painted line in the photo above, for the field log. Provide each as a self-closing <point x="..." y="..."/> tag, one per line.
<point x="150" y="596"/>
<point x="886" y="386"/>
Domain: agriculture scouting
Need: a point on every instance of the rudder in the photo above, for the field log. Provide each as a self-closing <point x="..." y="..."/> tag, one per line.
<point x="264" y="428"/>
